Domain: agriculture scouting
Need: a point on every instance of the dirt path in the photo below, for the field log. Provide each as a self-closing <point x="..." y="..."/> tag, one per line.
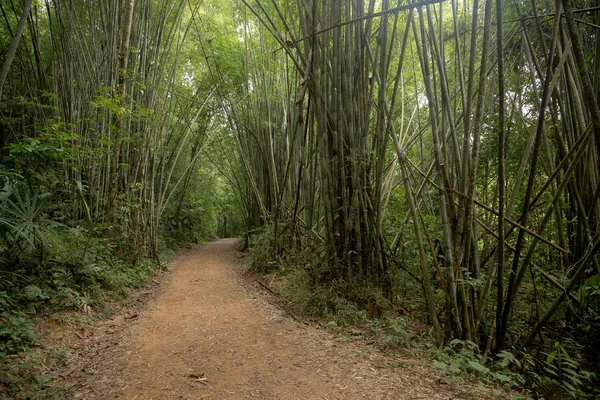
<point x="211" y="333"/>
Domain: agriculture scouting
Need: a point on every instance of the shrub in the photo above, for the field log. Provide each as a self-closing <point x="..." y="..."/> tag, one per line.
<point x="262" y="250"/>
<point x="16" y="332"/>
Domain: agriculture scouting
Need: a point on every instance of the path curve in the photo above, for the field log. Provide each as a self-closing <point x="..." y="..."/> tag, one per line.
<point x="214" y="334"/>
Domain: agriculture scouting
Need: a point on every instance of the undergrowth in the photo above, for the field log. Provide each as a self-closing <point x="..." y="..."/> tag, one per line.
<point x="356" y="309"/>
<point x="27" y="371"/>
<point x="48" y="268"/>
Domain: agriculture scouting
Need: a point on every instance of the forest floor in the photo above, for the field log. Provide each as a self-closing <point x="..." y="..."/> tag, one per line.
<point x="209" y="331"/>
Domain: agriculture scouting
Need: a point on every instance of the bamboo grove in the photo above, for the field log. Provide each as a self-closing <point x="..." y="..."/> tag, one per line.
<point x="480" y="118"/>
<point x="452" y="143"/>
<point x="95" y="115"/>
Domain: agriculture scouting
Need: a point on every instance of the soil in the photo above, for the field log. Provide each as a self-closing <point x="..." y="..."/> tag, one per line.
<point x="209" y="331"/>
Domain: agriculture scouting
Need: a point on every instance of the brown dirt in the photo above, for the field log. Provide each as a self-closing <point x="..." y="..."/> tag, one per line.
<point x="212" y="333"/>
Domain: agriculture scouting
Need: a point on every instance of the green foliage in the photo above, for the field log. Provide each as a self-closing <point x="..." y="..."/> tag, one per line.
<point x="16" y="332"/>
<point x="52" y="145"/>
<point x="77" y="275"/>
<point x="193" y="217"/>
<point x="342" y="304"/>
<point x="117" y="275"/>
<point x="461" y="357"/>
<point x="393" y="332"/>
<point x="58" y="248"/>
<point x="31" y="377"/>
<point x="558" y="372"/>
<point x="22" y="220"/>
<point x="303" y="297"/>
<point x="589" y="292"/>
<point x="34" y="293"/>
<point x="40" y="158"/>
<point x="262" y="250"/>
<point x="59" y="148"/>
<point x="192" y="220"/>
<point x="458" y="357"/>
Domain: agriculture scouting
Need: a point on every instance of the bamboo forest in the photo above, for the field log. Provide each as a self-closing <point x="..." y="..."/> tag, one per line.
<point x="419" y="177"/>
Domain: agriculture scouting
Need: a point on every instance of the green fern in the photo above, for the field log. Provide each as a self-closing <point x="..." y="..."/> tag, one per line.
<point x="23" y="221"/>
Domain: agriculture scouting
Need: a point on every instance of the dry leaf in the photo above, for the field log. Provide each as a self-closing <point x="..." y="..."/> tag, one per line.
<point x="69" y="371"/>
<point x="131" y="315"/>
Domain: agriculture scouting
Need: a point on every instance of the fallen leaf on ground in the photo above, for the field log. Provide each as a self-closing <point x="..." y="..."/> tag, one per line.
<point x="132" y="315"/>
<point x="69" y="371"/>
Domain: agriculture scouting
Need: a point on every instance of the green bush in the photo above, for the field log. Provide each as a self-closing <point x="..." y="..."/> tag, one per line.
<point x="262" y="251"/>
<point x="393" y="332"/>
<point x="16" y="332"/>
<point x="558" y="372"/>
<point x="45" y="265"/>
<point x="463" y="357"/>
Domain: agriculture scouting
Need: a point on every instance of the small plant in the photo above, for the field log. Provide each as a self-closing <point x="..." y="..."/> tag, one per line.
<point x="393" y="332"/>
<point x="589" y="292"/>
<point x="35" y="297"/>
<point x="261" y="253"/>
<point x="16" y="332"/>
<point x="504" y="365"/>
<point x="22" y="220"/>
<point x="462" y="357"/>
<point x="60" y="354"/>
<point x="559" y="373"/>
<point x="31" y="379"/>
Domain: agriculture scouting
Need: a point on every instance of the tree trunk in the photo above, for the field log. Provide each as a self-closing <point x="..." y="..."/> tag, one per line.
<point x="13" y="46"/>
<point x="111" y="203"/>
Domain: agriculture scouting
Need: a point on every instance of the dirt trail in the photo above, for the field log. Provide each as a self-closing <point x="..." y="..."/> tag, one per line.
<point x="212" y="333"/>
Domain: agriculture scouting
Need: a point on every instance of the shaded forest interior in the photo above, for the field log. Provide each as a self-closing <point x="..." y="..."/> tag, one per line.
<point x="371" y="154"/>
